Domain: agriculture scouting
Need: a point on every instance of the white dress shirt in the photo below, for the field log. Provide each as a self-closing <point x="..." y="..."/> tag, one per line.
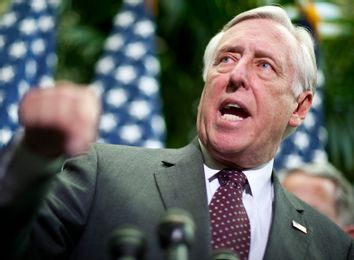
<point x="257" y="199"/>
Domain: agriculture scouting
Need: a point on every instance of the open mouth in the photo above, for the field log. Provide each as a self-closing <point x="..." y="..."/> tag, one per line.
<point x="233" y="112"/>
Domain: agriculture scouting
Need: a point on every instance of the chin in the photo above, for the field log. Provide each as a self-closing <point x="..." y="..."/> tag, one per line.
<point x="227" y="143"/>
<point x="224" y="147"/>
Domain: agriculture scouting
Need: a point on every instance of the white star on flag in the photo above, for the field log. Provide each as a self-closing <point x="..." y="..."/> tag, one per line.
<point x="27" y="39"/>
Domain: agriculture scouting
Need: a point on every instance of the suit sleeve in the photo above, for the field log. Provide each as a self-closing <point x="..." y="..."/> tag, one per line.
<point x="351" y="251"/>
<point x="44" y="212"/>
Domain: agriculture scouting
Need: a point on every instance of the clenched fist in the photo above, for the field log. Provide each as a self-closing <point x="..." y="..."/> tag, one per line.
<point x="59" y="120"/>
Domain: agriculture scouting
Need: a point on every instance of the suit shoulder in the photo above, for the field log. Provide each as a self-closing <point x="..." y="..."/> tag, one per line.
<point x="123" y="154"/>
<point x="125" y="150"/>
<point x="319" y="222"/>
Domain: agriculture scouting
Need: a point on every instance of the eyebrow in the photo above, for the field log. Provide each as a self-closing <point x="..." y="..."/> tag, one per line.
<point x="240" y="49"/>
<point x="258" y="53"/>
<point x="229" y="48"/>
<point x="266" y="54"/>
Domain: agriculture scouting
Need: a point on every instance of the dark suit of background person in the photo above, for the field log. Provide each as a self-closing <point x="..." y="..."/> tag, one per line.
<point x="73" y="213"/>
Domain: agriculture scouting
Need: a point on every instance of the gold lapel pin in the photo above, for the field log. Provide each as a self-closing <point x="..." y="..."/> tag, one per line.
<point x="299" y="227"/>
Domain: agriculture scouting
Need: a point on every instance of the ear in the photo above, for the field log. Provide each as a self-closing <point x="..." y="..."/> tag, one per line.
<point x="304" y="102"/>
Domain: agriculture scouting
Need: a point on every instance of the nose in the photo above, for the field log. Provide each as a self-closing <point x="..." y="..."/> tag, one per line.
<point x="238" y="76"/>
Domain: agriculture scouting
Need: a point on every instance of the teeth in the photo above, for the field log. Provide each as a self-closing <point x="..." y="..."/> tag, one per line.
<point x="233" y="118"/>
<point x="232" y="105"/>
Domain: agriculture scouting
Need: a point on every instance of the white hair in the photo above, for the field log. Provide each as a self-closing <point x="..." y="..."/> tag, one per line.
<point x="304" y="60"/>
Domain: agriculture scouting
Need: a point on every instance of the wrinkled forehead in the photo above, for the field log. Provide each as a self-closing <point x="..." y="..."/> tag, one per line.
<point x="266" y="33"/>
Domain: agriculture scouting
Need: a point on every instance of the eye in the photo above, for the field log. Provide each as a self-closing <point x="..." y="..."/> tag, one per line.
<point x="265" y="66"/>
<point x="225" y="59"/>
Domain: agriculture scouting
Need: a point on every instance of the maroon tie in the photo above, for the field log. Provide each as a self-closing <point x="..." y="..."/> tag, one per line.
<point x="230" y="226"/>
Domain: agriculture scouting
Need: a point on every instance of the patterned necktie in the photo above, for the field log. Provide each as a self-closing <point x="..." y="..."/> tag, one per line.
<point x="230" y="226"/>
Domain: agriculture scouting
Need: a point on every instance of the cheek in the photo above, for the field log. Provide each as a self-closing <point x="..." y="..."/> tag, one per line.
<point x="208" y="98"/>
<point x="202" y="108"/>
<point x="216" y="81"/>
<point x="276" y="111"/>
<point x="281" y="114"/>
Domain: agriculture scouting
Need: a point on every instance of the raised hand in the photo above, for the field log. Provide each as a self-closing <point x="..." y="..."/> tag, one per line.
<point x="59" y="120"/>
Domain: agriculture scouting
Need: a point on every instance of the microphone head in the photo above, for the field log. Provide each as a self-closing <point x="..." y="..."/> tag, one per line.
<point x="224" y="254"/>
<point x="176" y="227"/>
<point x="127" y="241"/>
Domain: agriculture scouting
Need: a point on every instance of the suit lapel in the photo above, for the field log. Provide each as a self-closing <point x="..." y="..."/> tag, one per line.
<point x="181" y="184"/>
<point x="290" y="234"/>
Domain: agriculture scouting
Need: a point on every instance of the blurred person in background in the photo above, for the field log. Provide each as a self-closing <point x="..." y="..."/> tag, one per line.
<point x="325" y="188"/>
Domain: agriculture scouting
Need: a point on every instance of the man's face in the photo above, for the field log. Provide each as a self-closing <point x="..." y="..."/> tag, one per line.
<point x="316" y="191"/>
<point x="247" y="102"/>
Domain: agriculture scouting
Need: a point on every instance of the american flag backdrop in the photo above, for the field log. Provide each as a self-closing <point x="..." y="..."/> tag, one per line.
<point x="307" y="143"/>
<point x="127" y="79"/>
<point x="27" y="58"/>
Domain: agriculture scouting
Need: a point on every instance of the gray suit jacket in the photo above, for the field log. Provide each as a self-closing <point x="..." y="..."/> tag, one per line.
<point x="114" y="185"/>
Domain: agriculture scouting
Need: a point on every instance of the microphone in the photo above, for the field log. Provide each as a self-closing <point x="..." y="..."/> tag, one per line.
<point x="127" y="243"/>
<point x="224" y="254"/>
<point x="176" y="234"/>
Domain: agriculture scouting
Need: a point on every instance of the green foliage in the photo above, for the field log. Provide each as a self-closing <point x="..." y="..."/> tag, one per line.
<point x="4" y="5"/>
<point x="82" y="30"/>
<point x="338" y="55"/>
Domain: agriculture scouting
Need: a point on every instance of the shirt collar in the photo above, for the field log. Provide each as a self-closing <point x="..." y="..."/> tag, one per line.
<point x="259" y="178"/>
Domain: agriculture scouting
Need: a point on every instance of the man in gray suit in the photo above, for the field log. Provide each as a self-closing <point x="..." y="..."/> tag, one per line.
<point x="259" y="74"/>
